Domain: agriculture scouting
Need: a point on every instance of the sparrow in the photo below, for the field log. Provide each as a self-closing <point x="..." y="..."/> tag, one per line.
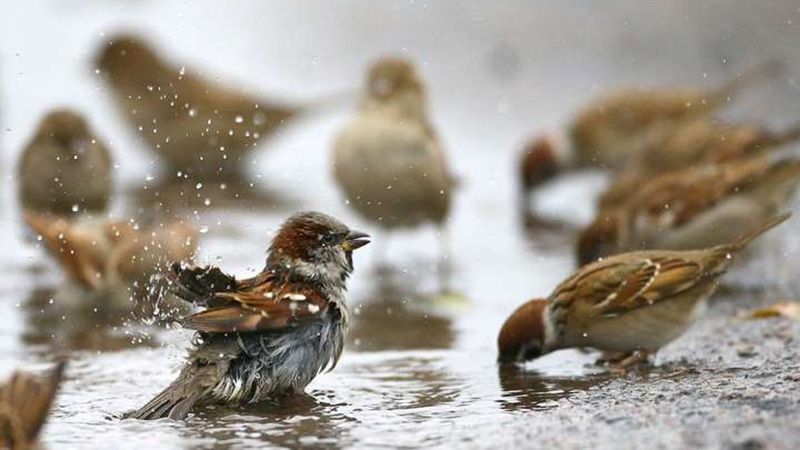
<point x="693" y="208"/>
<point x="111" y="256"/>
<point x="612" y="129"/>
<point x="65" y="169"/>
<point x="204" y="130"/>
<point x="389" y="161"/>
<point x="25" y="401"/>
<point x="698" y="142"/>
<point x="267" y="336"/>
<point x="632" y="303"/>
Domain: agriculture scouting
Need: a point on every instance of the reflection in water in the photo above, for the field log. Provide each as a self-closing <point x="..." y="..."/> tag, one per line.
<point x="394" y="317"/>
<point x="530" y="390"/>
<point x="421" y="387"/>
<point x="310" y="421"/>
<point x="70" y="319"/>
<point x="548" y="234"/>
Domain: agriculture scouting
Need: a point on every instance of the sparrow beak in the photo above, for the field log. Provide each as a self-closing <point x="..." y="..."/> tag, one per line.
<point x="355" y="240"/>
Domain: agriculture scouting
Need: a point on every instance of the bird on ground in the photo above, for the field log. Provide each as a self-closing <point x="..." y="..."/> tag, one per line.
<point x="611" y="130"/>
<point x="631" y="304"/>
<point x="65" y="169"/>
<point x="267" y="336"/>
<point x="389" y="161"/>
<point x="696" y="143"/>
<point x="694" y="208"/>
<point x="204" y="130"/>
<point x="114" y="258"/>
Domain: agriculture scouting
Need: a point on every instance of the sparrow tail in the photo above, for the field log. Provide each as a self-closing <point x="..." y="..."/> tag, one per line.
<point x="742" y="241"/>
<point x="782" y="138"/>
<point x="167" y="404"/>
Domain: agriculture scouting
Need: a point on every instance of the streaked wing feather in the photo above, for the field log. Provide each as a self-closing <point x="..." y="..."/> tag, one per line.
<point x="615" y="288"/>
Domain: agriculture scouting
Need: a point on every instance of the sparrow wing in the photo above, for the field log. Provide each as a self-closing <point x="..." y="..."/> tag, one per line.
<point x="269" y="306"/>
<point x="619" y="285"/>
<point x="676" y="198"/>
<point x="199" y="285"/>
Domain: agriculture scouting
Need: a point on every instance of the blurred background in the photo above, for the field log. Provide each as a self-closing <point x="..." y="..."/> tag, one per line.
<point x="497" y="73"/>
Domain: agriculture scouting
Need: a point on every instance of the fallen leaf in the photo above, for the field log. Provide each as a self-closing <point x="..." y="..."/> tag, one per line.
<point x="786" y="308"/>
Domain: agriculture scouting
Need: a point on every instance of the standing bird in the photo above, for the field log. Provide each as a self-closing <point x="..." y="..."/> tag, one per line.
<point x="65" y="169"/>
<point x="25" y="401"/>
<point x="611" y="130"/>
<point x="697" y="207"/>
<point x="270" y="335"/>
<point x="389" y="161"/>
<point x="632" y="304"/>
<point x="202" y="129"/>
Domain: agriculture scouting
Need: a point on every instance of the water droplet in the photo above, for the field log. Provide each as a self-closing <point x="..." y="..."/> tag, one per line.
<point x="239" y="119"/>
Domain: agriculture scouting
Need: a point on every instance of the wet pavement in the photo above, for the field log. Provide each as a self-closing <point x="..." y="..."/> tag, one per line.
<point x="419" y="368"/>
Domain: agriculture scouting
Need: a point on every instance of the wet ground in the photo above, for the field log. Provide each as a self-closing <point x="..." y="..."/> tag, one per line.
<point x="419" y="368"/>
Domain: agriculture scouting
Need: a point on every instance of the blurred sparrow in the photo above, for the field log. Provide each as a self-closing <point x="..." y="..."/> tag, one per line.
<point x="697" y="142"/>
<point x="270" y="335"/>
<point x="203" y="129"/>
<point x="611" y="130"/>
<point x="694" y="208"/>
<point x="25" y="401"/>
<point x="389" y="161"/>
<point x="103" y="255"/>
<point x="64" y="169"/>
<point x="633" y="303"/>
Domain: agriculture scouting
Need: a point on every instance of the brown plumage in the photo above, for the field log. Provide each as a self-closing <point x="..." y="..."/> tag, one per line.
<point x="111" y="254"/>
<point x="388" y="160"/>
<point x="693" y="208"/>
<point x="695" y="143"/>
<point x="611" y="130"/>
<point x="25" y="401"/>
<point x="631" y="302"/>
<point x="267" y="336"/>
<point x="65" y="169"/>
<point x="201" y="128"/>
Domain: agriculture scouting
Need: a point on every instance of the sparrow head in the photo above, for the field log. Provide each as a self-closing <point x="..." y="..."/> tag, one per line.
<point x="538" y="163"/>
<point x="392" y="76"/>
<point x="599" y="239"/>
<point x="124" y="54"/>
<point x="522" y="336"/>
<point x="316" y="246"/>
<point x="542" y="159"/>
<point x="63" y="126"/>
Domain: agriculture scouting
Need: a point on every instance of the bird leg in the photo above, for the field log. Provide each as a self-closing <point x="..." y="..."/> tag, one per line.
<point x="623" y="362"/>
<point x="444" y="266"/>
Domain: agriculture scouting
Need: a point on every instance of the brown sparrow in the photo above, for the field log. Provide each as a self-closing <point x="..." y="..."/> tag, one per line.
<point x="632" y="302"/>
<point x="25" y="401"/>
<point x="609" y="131"/>
<point x="270" y="335"/>
<point x="389" y="161"/>
<point x="65" y="169"/>
<point x="203" y="129"/>
<point x="697" y="142"/>
<point x="693" y="208"/>
<point x="102" y="254"/>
